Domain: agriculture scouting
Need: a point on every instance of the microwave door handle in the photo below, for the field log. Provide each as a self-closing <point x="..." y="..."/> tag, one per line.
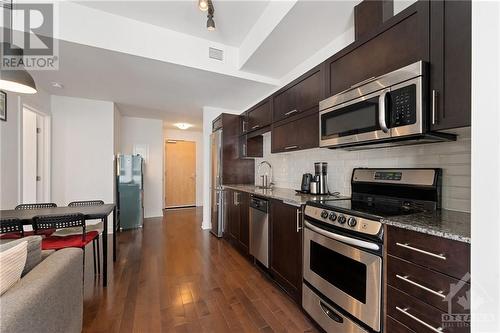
<point x="381" y="111"/>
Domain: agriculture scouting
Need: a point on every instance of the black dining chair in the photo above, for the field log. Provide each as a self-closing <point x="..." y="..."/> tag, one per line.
<point x="99" y="227"/>
<point x="66" y="221"/>
<point x="11" y="228"/>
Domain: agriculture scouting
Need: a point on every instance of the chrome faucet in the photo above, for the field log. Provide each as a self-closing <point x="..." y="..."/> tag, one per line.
<point x="267" y="179"/>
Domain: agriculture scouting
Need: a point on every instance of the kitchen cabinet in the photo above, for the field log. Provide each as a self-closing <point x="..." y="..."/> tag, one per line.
<point x="400" y="41"/>
<point x="422" y="271"/>
<point x="285" y="262"/>
<point x="302" y="133"/>
<point x="252" y="146"/>
<point x="234" y="169"/>
<point x="298" y="96"/>
<point x="237" y="228"/>
<point x="450" y="64"/>
<point x="259" y="116"/>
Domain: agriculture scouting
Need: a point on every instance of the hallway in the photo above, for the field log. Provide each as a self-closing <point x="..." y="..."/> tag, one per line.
<point x="171" y="276"/>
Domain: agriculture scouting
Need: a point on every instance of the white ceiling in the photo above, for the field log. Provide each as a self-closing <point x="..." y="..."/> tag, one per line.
<point x="233" y="19"/>
<point x="144" y="87"/>
<point x="308" y="27"/>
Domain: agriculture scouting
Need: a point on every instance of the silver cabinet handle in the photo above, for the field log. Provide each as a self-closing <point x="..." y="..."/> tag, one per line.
<point x="434" y="98"/>
<point x="381" y="111"/>
<point x="418" y="320"/>
<point x="405" y="278"/>
<point x="245" y="150"/>
<point x="291" y="112"/>
<point x="298" y="220"/>
<point x="244" y="126"/>
<point x="256" y="126"/>
<point x="291" y="147"/>
<point x="406" y="246"/>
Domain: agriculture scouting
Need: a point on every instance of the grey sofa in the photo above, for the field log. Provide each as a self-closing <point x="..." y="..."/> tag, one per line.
<point x="49" y="298"/>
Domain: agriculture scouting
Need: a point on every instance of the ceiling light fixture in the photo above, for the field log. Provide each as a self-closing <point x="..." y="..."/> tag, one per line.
<point x="15" y="80"/>
<point x="210" y="16"/>
<point x="183" y="126"/>
<point x="203" y="5"/>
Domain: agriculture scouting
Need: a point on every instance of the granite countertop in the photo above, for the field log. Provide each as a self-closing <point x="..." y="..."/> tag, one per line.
<point x="287" y="195"/>
<point x="442" y="223"/>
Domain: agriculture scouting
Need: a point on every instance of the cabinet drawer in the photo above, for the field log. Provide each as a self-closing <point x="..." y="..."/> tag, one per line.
<point x="424" y="284"/>
<point x="300" y="97"/>
<point x="419" y="316"/>
<point x="394" y="326"/>
<point x="440" y="254"/>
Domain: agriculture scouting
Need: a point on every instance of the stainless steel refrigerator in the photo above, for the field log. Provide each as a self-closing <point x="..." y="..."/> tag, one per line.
<point x="216" y="191"/>
<point x="130" y="188"/>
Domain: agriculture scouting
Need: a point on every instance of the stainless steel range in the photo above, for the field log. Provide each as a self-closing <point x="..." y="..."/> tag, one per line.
<point x="343" y="245"/>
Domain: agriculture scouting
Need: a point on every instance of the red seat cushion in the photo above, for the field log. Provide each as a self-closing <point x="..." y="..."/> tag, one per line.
<point x="11" y="235"/>
<point x="62" y="242"/>
<point x="44" y="232"/>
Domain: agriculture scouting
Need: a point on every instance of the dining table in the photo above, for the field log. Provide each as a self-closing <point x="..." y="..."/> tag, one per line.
<point x="100" y="212"/>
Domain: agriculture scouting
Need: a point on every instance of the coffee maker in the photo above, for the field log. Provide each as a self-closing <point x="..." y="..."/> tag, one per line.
<point x="321" y="177"/>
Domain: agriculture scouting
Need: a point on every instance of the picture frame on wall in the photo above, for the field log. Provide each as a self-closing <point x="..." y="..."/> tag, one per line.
<point x="3" y="105"/>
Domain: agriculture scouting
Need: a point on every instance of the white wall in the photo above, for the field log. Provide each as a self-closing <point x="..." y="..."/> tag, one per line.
<point x="197" y="137"/>
<point x="82" y="150"/>
<point x="453" y="157"/>
<point x="209" y="114"/>
<point x="147" y="131"/>
<point x="11" y="143"/>
<point x="485" y="247"/>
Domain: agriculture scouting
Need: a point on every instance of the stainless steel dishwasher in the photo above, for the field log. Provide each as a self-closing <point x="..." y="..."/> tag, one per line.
<point x="259" y="230"/>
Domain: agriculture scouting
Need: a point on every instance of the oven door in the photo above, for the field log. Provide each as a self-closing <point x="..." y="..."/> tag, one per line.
<point x="355" y="121"/>
<point x="350" y="277"/>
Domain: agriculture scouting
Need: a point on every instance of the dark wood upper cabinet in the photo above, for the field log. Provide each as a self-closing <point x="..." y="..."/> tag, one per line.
<point x="301" y="133"/>
<point x="299" y="96"/>
<point x="234" y="169"/>
<point x="370" y="14"/>
<point x="286" y="248"/>
<point x="450" y="69"/>
<point x="252" y="146"/>
<point x="400" y="41"/>
<point x="259" y="116"/>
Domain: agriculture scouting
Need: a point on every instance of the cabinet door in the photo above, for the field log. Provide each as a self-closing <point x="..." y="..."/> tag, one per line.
<point x="298" y="134"/>
<point x="300" y="97"/>
<point x="286" y="247"/>
<point x="234" y="216"/>
<point x="450" y="72"/>
<point x="244" y="210"/>
<point x="401" y="40"/>
<point x="260" y="116"/>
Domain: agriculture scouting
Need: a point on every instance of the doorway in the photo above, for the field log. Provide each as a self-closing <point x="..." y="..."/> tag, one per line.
<point x="180" y="173"/>
<point x="35" y="167"/>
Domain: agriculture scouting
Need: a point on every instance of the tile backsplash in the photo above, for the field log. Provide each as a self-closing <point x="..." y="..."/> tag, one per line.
<point x="453" y="157"/>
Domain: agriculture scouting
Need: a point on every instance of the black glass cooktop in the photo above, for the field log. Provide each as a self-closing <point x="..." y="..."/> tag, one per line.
<point x="378" y="210"/>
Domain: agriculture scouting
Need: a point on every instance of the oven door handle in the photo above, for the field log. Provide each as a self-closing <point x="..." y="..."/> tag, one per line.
<point x="344" y="239"/>
<point x="381" y="111"/>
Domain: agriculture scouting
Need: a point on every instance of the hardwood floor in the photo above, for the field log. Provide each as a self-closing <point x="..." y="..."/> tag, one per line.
<point x="171" y="276"/>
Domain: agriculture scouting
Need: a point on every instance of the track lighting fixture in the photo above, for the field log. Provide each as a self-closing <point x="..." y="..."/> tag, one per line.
<point x="210" y="16"/>
<point x="203" y="5"/>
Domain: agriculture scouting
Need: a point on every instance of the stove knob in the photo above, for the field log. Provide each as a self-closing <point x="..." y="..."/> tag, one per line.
<point x="332" y="216"/>
<point x="342" y="219"/>
<point x="324" y="214"/>
<point x="352" y="222"/>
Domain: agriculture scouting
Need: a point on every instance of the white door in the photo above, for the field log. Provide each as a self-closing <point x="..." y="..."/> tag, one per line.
<point x="30" y="160"/>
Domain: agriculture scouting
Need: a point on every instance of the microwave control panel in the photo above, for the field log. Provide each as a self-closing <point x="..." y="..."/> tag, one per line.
<point x="403" y="106"/>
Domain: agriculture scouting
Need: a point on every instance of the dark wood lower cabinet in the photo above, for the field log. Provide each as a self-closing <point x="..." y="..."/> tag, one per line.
<point x="237" y="228"/>
<point x="285" y="262"/>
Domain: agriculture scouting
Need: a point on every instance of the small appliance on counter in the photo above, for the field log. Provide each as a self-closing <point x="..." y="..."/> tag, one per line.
<point x="343" y="245"/>
<point x="321" y="177"/>
<point x="305" y="186"/>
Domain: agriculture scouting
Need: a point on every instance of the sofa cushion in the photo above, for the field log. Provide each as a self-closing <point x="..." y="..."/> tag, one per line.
<point x="34" y="247"/>
<point x="12" y="262"/>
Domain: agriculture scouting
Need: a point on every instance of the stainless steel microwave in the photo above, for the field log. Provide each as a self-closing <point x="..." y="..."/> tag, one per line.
<point x="388" y="110"/>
